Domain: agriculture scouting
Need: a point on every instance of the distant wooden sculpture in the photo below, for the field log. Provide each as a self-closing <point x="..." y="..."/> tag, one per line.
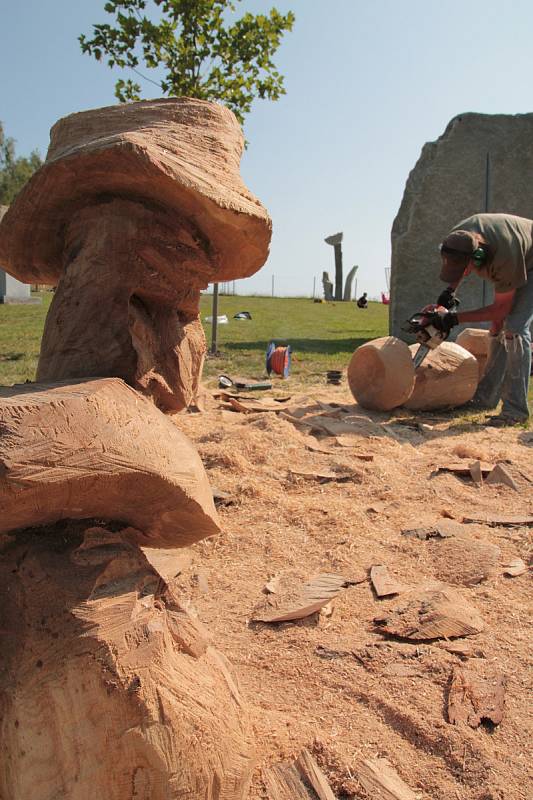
<point x="448" y="377"/>
<point x="476" y="341"/>
<point x="137" y="208"/>
<point x="381" y="374"/>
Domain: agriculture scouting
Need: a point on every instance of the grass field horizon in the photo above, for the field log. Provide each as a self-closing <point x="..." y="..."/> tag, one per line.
<point x="322" y="336"/>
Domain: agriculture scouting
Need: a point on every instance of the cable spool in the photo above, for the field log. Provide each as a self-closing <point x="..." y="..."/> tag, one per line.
<point x="278" y="360"/>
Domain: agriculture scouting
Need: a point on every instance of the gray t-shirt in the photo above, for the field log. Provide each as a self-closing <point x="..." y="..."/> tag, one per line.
<point x="511" y="241"/>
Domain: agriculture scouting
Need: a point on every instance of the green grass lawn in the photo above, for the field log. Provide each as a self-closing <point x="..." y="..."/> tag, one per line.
<point x="323" y="336"/>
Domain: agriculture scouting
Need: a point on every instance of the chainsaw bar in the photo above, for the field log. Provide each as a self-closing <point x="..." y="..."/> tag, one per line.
<point x="420" y="355"/>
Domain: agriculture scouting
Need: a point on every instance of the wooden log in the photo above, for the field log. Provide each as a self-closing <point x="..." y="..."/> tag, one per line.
<point x="109" y="688"/>
<point x="381" y="374"/>
<point x="98" y="449"/>
<point x="476" y="341"/>
<point x="447" y="378"/>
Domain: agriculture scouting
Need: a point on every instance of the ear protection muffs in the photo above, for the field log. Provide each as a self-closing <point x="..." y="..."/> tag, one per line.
<point x="479" y="256"/>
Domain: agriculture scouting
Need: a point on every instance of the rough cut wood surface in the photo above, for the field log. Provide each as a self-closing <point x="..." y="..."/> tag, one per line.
<point x="381" y="374"/>
<point x="108" y="686"/>
<point x="293" y="600"/>
<point x="303" y="780"/>
<point x="98" y="449"/>
<point x="476" y="695"/>
<point x="135" y="211"/>
<point x="382" y="782"/>
<point x="431" y="614"/>
<point x="476" y="341"/>
<point x="179" y="154"/>
<point x="447" y="378"/>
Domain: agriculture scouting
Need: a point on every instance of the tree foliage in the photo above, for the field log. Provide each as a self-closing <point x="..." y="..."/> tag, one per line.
<point x="14" y="172"/>
<point x="198" y="50"/>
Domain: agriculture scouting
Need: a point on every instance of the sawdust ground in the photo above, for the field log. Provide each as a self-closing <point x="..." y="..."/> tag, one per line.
<point x="301" y="680"/>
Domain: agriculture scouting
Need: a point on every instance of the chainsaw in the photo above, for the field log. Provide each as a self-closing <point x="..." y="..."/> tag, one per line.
<point x="423" y="326"/>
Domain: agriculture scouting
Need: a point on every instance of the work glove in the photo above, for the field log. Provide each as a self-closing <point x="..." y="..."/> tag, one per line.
<point x="444" y="321"/>
<point x="447" y="298"/>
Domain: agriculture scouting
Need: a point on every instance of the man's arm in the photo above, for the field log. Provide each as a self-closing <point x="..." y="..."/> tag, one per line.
<point x="496" y="312"/>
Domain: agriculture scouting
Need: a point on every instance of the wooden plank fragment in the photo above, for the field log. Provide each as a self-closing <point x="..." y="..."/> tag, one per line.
<point x="476" y="473"/>
<point x="325" y="476"/>
<point x="463" y="468"/>
<point x="499" y="475"/>
<point x="500" y="520"/>
<point x="384" y="584"/>
<point x="303" y="780"/>
<point x="313" y="775"/>
<point x="431" y="614"/>
<point x="514" y="568"/>
<point x="475" y="698"/>
<point x="293" y="601"/>
<point x="382" y="782"/>
<point x="168" y="562"/>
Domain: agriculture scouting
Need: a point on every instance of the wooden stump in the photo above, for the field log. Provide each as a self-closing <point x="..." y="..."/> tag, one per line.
<point x="476" y="341"/>
<point x="447" y="378"/>
<point x="108" y="687"/>
<point x="381" y="374"/>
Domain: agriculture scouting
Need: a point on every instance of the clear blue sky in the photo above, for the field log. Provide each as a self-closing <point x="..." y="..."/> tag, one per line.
<point x="368" y="83"/>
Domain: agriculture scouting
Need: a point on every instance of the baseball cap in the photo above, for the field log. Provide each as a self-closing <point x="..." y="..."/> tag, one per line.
<point x="456" y="250"/>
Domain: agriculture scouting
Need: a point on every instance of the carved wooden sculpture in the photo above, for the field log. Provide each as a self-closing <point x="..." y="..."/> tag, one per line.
<point x="447" y="378"/>
<point x="476" y="341"/>
<point x="108" y="685"/>
<point x="136" y="209"/>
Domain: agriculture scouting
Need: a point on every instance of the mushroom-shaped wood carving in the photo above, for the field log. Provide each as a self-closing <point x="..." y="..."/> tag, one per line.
<point x="96" y="448"/>
<point x="136" y="209"/>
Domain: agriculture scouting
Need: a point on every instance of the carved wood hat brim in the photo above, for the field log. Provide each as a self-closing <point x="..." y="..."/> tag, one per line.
<point x="179" y="154"/>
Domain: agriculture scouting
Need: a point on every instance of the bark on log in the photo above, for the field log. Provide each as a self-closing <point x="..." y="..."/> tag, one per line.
<point x="476" y="341"/>
<point x="381" y="374"/>
<point x="98" y="449"/>
<point x="108" y="687"/>
<point x="136" y="209"/>
<point x="447" y="378"/>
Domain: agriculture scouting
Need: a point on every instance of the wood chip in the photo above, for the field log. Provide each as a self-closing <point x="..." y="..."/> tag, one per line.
<point x="462" y="649"/>
<point x="382" y="782"/>
<point x="502" y="520"/>
<point x="431" y="614"/>
<point x="303" y="780"/>
<point x="443" y="529"/>
<point x="462" y="468"/>
<point x="499" y="475"/>
<point x="384" y="584"/>
<point x="318" y="447"/>
<point x="221" y="498"/>
<point x="514" y="568"/>
<point x="168" y="562"/>
<point x="325" y="476"/>
<point x="293" y="601"/>
<point x="476" y="473"/>
<point x="475" y="698"/>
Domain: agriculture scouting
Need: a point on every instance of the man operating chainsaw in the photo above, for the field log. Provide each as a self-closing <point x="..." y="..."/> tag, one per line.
<point x="498" y="248"/>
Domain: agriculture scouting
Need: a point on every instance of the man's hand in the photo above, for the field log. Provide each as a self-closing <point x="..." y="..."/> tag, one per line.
<point x="444" y="321"/>
<point x="447" y="298"/>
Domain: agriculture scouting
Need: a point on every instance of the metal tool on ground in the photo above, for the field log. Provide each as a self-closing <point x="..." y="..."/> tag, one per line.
<point x="278" y="359"/>
<point x="424" y="326"/>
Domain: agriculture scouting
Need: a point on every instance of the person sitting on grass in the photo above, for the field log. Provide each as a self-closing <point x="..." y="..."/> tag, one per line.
<point x="498" y="248"/>
<point x="362" y="302"/>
